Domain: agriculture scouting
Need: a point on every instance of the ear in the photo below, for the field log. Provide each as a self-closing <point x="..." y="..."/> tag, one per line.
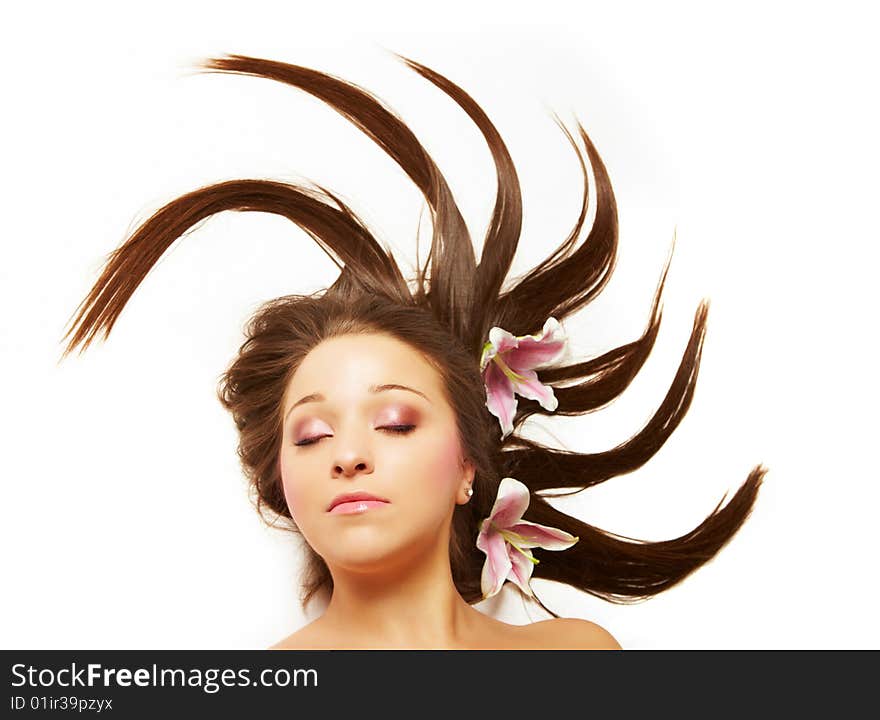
<point x="467" y="481"/>
<point x="469" y="472"/>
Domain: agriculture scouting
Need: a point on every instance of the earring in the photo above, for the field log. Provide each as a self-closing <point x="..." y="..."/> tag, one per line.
<point x="469" y="491"/>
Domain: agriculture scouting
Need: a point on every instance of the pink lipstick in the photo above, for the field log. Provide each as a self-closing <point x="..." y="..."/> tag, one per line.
<point x="354" y="507"/>
<point x="357" y="501"/>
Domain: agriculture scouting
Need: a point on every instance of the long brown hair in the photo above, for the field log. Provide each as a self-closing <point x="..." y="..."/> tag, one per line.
<point x="445" y="313"/>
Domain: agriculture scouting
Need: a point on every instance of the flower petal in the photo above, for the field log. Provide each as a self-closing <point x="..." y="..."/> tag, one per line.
<point x="483" y="537"/>
<point x="534" y="535"/>
<point x="510" y="503"/>
<point x="499" y="397"/>
<point x="521" y="570"/>
<point x="502" y="340"/>
<point x="497" y="565"/>
<point x="534" y="350"/>
<point x="486" y="355"/>
<point x="533" y="389"/>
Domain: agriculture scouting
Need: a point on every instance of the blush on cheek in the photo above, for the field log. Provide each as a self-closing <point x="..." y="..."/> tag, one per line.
<point x="291" y="495"/>
<point x="292" y="504"/>
<point x="449" y="462"/>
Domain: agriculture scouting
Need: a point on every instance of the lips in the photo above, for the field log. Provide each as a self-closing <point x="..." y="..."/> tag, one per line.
<point x="353" y="496"/>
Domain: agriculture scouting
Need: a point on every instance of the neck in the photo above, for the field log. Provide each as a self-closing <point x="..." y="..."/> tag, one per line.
<point x="410" y="602"/>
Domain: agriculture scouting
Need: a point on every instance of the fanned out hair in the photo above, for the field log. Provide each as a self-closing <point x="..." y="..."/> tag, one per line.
<point x="445" y="313"/>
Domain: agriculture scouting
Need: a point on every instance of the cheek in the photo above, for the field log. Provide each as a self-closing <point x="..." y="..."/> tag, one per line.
<point x="292" y="493"/>
<point x="447" y="463"/>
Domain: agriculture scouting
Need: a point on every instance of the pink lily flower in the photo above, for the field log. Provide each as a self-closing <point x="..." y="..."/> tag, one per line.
<point x="506" y="539"/>
<point x="507" y="364"/>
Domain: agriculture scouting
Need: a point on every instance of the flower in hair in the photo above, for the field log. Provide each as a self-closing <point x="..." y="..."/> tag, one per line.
<point x="507" y="364"/>
<point x="506" y="539"/>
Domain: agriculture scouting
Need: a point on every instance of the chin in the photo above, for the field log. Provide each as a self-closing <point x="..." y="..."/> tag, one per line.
<point x="360" y="554"/>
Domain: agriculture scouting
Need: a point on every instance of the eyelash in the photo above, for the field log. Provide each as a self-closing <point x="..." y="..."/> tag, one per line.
<point x="393" y="429"/>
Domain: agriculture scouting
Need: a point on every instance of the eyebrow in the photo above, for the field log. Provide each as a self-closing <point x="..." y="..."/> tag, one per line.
<point x="318" y="397"/>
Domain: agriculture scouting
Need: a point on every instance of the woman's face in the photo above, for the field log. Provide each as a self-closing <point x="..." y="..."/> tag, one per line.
<point x="344" y="432"/>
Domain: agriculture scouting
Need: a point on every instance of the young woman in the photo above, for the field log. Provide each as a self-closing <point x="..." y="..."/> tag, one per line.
<point x="378" y="418"/>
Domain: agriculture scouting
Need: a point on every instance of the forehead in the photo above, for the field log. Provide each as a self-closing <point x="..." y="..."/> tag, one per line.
<point x="347" y="365"/>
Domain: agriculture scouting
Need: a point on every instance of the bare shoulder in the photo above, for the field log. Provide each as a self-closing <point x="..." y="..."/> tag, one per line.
<point x="306" y="638"/>
<point x="553" y="634"/>
<point x="572" y="634"/>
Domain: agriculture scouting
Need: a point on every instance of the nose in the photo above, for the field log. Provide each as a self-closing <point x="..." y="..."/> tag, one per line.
<point x="352" y="466"/>
<point x="352" y="459"/>
<point x="353" y="455"/>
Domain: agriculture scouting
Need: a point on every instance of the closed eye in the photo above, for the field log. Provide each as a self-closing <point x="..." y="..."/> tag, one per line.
<point x="398" y="429"/>
<point x="392" y="429"/>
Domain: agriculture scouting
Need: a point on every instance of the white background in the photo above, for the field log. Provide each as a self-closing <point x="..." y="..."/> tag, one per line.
<point x="752" y="130"/>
